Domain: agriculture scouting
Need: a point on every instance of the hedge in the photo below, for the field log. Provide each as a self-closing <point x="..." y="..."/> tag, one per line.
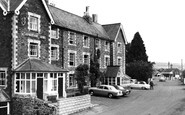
<point x="27" y="105"/>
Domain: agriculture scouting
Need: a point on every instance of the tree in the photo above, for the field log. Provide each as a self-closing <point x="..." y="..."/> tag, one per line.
<point x="140" y="70"/>
<point x="137" y="65"/>
<point x="136" y="50"/>
<point x="81" y="72"/>
<point x="94" y="72"/>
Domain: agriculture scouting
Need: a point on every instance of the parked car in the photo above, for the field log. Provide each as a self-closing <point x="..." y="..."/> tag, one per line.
<point x="140" y="85"/>
<point x="105" y="90"/>
<point x="124" y="91"/>
<point x="162" y="79"/>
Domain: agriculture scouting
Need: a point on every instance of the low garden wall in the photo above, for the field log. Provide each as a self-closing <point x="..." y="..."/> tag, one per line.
<point x="73" y="104"/>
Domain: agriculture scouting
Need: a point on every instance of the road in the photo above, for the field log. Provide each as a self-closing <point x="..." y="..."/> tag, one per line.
<point x="167" y="98"/>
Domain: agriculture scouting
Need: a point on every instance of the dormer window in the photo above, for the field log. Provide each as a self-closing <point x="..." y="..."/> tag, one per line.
<point x="72" y="38"/>
<point x="33" y="22"/>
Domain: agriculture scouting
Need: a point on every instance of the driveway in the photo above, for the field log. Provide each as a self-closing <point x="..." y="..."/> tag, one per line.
<point x="167" y="98"/>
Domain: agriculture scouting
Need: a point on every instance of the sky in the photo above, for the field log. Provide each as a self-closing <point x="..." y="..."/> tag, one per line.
<point x="161" y="23"/>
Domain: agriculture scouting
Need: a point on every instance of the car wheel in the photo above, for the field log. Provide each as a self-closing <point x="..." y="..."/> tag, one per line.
<point x="91" y="92"/>
<point x="110" y="95"/>
<point x="143" y="88"/>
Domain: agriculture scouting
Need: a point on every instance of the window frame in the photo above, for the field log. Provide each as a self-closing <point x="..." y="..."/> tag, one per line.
<point x="38" y="48"/>
<point x="56" y="30"/>
<point x="98" y="43"/>
<point x="119" y="49"/>
<point x="4" y="70"/>
<point x="86" y="43"/>
<point x="38" y="17"/>
<point x="88" y="54"/>
<point x="74" y="82"/>
<point x="57" y="52"/>
<point x="107" y="46"/>
<point x="74" y="38"/>
<point x="25" y="81"/>
<point x="105" y="61"/>
<point x="75" y="63"/>
<point x="120" y="61"/>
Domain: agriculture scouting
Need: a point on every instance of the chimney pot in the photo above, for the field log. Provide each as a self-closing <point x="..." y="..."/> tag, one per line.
<point x="95" y="18"/>
<point x="87" y="10"/>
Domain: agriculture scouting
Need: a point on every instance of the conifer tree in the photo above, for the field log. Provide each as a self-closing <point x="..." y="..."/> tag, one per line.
<point x="137" y="51"/>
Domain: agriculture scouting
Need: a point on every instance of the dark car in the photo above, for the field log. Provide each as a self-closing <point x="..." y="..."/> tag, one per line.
<point x="124" y="91"/>
<point x="105" y="90"/>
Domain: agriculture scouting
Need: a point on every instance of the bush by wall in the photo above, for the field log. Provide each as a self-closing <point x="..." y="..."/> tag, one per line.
<point x="27" y="105"/>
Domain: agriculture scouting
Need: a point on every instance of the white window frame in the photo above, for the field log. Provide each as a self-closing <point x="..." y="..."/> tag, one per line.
<point x="105" y="63"/>
<point x="75" y="54"/>
<point x="54" y="33"/>
<point x="57" y="52"/>
<point x="38" y="50"/>
<point x="120" y="61"/>
<point x="85" y="53"/>
<point x="52" y="81"/>
<point x="100" y="62"/>
<point x="37" y="29"/>
<point x="4" y="71"/>
<point x="119" y="48"/>
<point x="107" y="46"/>
<point x="25" y="81"/>
<point x="69" y="36"/>
<point x="86" y="44"/>
<point x="98" y="46"/>
<point x="68" y="81"/>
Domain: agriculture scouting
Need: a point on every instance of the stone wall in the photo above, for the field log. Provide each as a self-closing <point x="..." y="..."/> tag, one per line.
<point x="73" y="104"/>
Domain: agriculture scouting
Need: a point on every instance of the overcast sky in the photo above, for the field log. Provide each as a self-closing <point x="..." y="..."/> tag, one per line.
<point x="161" y="23"/>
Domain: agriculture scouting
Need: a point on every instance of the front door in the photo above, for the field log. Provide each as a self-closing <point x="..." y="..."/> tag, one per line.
<point x="40" y="88"/>
<point x="60" y="87"/>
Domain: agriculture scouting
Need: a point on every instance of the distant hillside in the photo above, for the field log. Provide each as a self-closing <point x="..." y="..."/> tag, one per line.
<point x="165" y="65"/>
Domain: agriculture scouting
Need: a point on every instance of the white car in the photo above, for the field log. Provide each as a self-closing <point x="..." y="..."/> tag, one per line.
<point x="140" y="85"/>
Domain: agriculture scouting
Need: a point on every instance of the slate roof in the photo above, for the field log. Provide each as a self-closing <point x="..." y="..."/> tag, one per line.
<point x="112" y="30"/>
<point x="71" y="21"/>
<point x="36" y="65"/>
<point x="3" y="96"/>
<point x="14" y="4"/>
<point x="112" y="71"/>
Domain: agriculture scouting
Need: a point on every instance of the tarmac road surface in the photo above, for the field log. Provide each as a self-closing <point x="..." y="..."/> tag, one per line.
<point x="167" y="98"/>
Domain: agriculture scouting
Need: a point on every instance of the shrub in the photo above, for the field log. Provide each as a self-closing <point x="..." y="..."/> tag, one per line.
<point x="28" y="105"/>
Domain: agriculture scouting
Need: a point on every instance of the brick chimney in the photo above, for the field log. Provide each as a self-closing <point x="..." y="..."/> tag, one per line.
<point x="86" y="16"/>
<point x="95" y="18"/>
<point x="86" y="13"/>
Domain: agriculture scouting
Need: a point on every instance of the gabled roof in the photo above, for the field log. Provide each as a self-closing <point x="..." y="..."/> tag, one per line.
<point x="3" y="96"/>
<point x="73" y="22"/>
<point x="113" y="31"/>
<point x="112" y="71"/>
<point x="36" y="65"/>
<point x="16" y="5"/>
